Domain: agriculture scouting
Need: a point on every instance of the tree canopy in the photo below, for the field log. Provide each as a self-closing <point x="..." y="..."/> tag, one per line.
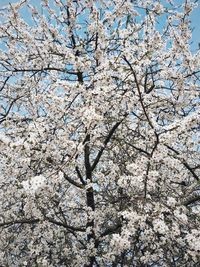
<point x="99" y="134"/>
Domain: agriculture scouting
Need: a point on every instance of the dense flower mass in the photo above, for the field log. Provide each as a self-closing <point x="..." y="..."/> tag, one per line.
<point x="99" y="134"/>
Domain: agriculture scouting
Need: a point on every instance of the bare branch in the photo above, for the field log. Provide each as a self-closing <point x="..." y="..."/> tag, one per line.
<point x="22" y="221"/>
<point x="184" y="163"/>
<point x="108" y="138"/>
<point x="71" y="181"/>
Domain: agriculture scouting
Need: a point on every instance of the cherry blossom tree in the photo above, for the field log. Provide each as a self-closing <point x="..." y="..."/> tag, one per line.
<point x="99" y="134"/>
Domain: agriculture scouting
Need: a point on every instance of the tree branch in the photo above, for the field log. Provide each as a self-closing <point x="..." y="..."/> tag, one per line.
<point x="80" y="175"/>
<point x="73" y="228"/>
<point x="111" y="230"/>
<point x="184" y="163"/>
<point x="191" y="200"/>
<point x="22" y="221"/>
<point x="71" y="181"/>
<point x="108" y="138"/>
<point x="139" y="92"/>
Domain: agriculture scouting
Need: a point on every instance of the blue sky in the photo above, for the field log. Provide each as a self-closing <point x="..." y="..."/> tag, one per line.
<point x="195" y="18"/>
<point x="196" y="24"/>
